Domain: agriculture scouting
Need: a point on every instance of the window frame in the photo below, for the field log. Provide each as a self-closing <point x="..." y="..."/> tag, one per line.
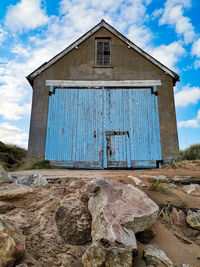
<point x="102" y="39"/>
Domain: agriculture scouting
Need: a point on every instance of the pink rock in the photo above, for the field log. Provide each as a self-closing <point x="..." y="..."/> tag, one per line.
<point x="118" y="211"/>
<point x="178" y="217"/>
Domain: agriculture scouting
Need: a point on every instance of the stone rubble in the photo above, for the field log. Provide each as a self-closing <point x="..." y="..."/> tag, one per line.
<point x="12" y="244"/>
<point x="154" y="256"/>
<point x="118" y="212"/>
<point x="136" y="180"/>
<point x="192" y="189"/>
<point x="193" y="219"/>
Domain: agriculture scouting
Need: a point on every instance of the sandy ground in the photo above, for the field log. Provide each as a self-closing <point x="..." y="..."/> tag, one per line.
<point x="35" y="216"/>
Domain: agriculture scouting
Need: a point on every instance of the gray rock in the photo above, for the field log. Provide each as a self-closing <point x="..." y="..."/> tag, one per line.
<point x="193" y="219"/>
<point x="185" y="265"/>
<point x="161" y="178"/>
<point x="181" y="179"/>
<point x="27" y="180"/>
<point x="3" y="175"/>
<point x="153" y="255"/>
<point x="40" y="181"/>
<point x="73" y="221"/>
<point x="136" y="180"/>
<point x="172" y="186"/>
<point x="192" y="189"/>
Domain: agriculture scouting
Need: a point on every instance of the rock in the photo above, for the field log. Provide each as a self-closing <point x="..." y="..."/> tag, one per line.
<point x="178" y="217"/>
<point x="27" y="180"/>
<point x="14" y="191"/>
<point x="73" y="221"/>
<point x="31" y="180"/>
<point x="172" y="186"/>
<point x="22" y="265"/>
<point x="153" y="255"/>
<point x="113" y="205"/>
<point x="185" y="179"/>
<point x="3" y="175"/>
<point x="136" y="180"/>
<point x="192" y="189"/>
<point x="185" y="265"/>
<point x="40" y="181"/>
<point x="98" y="255"/>
<point x="145" y="236"/>
<point x="193" y="219"/>
<point x="6" y="207"/>
<point x="161" y="178"/>
<point x="12" y="244"/>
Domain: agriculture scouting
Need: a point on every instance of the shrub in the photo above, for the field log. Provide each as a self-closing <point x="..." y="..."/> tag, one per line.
<point x="37" y="165"/>
<point x="191" y="153"/>
<point x="158" y="186"/>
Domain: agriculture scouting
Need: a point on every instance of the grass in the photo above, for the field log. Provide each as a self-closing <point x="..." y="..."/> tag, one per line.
<point x="158" y="186"/>
<point x="11" y="156"/>
<point x="191" y="153"/>
<point x="37" y="165"/>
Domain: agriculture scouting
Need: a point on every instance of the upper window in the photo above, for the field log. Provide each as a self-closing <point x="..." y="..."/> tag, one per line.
<point x="103" y="52"/>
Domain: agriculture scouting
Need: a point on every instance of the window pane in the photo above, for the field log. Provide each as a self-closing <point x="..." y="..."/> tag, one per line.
<point x="99" y="60"/>
<point x="106" y="59"/>
<point x="100" y="48"/>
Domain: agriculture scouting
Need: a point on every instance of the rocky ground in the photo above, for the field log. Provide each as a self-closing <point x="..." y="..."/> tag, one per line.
<point x="48" y="215"/>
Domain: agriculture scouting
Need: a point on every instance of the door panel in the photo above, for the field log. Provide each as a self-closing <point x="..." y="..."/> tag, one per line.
<point x="74" y="131"/>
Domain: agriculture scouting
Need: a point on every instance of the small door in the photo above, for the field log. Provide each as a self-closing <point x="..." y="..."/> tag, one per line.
<point x="118" y="149"/>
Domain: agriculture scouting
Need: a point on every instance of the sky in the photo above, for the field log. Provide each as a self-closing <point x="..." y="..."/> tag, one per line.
<point x="33" y="31"/>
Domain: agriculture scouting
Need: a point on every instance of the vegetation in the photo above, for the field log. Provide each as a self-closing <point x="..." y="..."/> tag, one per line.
<point x="158" y="186"/>
<point x="37" y="165"/>
<point x="11" y="156"/>
<point x="191" y="153"/>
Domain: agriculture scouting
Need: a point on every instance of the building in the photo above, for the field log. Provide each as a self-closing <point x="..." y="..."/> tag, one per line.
<point x="103" y="103"/>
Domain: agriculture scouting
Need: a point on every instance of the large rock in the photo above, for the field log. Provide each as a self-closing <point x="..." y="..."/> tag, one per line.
<point x="193" y="219"/>
<point x="185" y="180"/>
<point x="3" y="175"/>
<point x="12" y="244"/>
<point x="31" y="180"/>
<point x="178" y="217"/>
<point x="154" y="256"/>
<point x="98" y="255"/>
<point x="192" y="189"/>
<point x="14" y="191"/>
<point x="118" y="212"/>
<point x="73" y="221"/>
<point x="116" y="207"/>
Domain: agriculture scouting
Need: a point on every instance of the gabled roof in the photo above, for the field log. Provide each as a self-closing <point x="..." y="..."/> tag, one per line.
<point x="102" y="24"/>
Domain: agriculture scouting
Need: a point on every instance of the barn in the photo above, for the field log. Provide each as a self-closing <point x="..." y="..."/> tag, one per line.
<point x="103" y="103"/>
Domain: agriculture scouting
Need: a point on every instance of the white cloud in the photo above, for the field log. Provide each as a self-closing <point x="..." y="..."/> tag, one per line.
<point x="197" y="64"/>
<point x="140" y="35"/>
<point x="11" y="134"/>
<point x="3" y="34"/>
<point x="193" y="123"/>
<point x="168" y="54"/>
<point x="25" y="15"/>
<point x="173" y="14"/>
<point x="196" y="48"/>
<point x="188" y="95"/>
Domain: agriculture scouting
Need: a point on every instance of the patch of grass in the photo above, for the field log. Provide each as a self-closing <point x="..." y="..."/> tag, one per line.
<point x="158" y="186"/>
<point x="191" y="153"/>
<point x="37" y="165"/>
<point x="11" y="156"/>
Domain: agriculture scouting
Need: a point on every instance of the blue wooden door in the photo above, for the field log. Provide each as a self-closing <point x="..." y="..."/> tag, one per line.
<point x="74" y="128"/>
<point x="103" y="128"/>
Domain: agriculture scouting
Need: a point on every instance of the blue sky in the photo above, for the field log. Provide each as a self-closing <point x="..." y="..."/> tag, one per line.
<point x="33" y="31"/>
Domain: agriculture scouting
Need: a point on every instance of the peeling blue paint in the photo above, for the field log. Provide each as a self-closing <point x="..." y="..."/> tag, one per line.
<point x="103" y="128"/>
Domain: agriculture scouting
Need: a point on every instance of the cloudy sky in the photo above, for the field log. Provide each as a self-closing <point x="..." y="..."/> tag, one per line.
<point x="33" y="31"/>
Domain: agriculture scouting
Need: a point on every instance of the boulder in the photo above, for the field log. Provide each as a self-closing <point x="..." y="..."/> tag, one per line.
<point x="73" y="221"/>
<point x="136" y="180"/>
<point x="3" y="175"/>
<point x="14" y="191"/>
<point x="178" y="217"/>
<point x="193" y="219"/>
<point x="6" y="207"/>
<point x="40" y="181"/>
<point x="192" y="189"/>
<point x="115" y="206"/>
<point x="161" y="178"/>
<point x="31" y="180"/>
<point x="12" y="244"/>
<point x="98" y="255"/>
<point x="154" y="256"/>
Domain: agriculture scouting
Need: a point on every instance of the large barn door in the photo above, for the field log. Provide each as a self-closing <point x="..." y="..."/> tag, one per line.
<point x="132" y="132"/>
<point x="74" y="128"/>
